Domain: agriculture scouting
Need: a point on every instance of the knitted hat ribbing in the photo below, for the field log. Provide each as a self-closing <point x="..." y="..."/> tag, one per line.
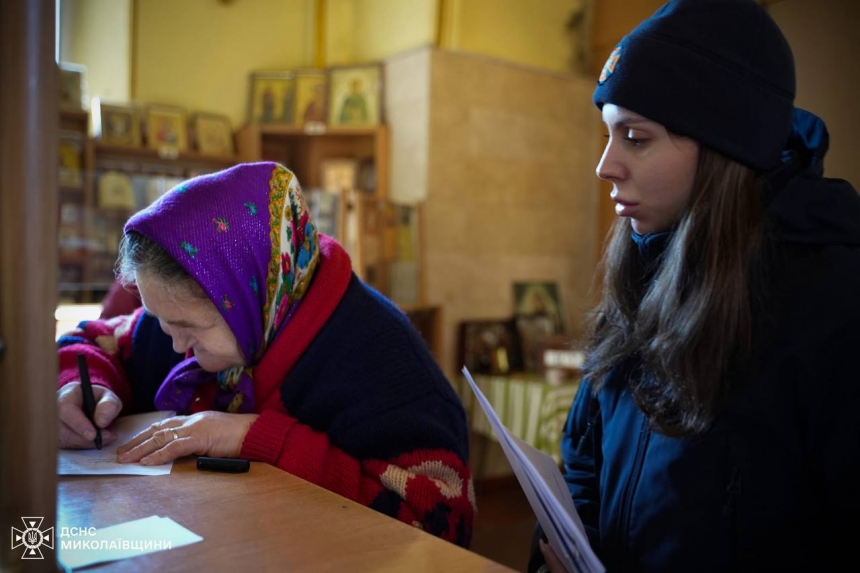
<point x="718" y="71"/>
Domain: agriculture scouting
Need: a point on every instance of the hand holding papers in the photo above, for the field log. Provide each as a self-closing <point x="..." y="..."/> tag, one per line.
<point x="103" y="461"/>
<point x="547" y="493"/>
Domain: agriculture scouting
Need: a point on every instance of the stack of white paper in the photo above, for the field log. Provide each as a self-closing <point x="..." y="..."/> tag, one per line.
<point x="547" y="493"/>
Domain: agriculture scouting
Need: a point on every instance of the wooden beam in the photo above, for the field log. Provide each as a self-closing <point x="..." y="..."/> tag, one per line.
<point x="320" y="56"/>
<point x="29" y="118"/>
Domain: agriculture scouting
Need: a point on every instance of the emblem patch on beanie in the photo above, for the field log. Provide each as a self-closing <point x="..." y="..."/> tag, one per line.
<point x="609" y="66"/>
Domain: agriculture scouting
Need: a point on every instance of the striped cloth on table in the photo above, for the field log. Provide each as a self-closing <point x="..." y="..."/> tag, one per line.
<point x="528" y="406"/>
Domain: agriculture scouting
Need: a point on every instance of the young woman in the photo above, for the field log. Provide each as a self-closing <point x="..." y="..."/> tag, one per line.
<point x="717" y="427"/>
<point x="280" y="354"/>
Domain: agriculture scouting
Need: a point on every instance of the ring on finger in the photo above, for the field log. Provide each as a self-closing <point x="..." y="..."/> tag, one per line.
<point x="175" y="435"/>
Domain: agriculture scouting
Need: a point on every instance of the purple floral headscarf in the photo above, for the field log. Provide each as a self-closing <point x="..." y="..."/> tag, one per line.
<point x="246" y="236"/>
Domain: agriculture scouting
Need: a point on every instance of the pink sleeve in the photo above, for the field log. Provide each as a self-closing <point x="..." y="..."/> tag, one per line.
<point x="106" y="344"/>
<point x="119" y="301"/>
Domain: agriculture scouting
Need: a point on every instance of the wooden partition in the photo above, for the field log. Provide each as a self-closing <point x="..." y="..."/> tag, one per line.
<point x="28" y="274"/>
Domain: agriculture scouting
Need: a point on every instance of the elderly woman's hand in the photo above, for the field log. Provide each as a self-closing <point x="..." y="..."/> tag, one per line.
<point x="216" y="434"/>
<point x="76" y="431"/>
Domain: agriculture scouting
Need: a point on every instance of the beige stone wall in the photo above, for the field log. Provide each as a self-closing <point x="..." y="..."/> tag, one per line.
<point x="407" y="111"/>
<point x="511" y="190"/>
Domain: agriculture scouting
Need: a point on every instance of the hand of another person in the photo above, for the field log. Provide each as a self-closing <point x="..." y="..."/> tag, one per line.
<point x="76" y="431"/>
<point x="553" y="562"/>
<point x="216" y="434"/>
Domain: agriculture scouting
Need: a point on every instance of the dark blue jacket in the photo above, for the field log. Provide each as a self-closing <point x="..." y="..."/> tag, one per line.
<point x="774" y="484"/>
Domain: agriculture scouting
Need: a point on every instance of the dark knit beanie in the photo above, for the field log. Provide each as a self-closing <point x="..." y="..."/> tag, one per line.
<point x="718" y="71"/>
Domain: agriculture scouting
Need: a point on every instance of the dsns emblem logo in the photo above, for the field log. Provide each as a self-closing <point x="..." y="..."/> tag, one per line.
<point x="32" y="538"/>
<point x="610" y="64"/>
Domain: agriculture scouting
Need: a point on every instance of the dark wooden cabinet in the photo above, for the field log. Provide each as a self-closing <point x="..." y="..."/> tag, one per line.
<point x="369" y="226"/>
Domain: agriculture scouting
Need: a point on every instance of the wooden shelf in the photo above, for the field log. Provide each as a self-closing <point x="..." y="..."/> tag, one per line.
<point x="113" y="212"/>
<point x="83" y="287"/>
<point x="75" y="114"/>
<point x="303" y="150"/>
<point x="368" y="221"/>
<point x="71" y="256"/>
<point x="106" y="152"/>
<point x="88" y="269"/>
<point x="275" y="129"/>
<point x="76" y="120"/>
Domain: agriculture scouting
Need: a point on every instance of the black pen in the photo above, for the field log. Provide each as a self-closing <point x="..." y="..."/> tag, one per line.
<point x="89" y="399"/>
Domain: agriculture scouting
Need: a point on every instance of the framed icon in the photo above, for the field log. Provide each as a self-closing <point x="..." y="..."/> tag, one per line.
<point x="539" y="299"/>
<point x="167" y="128"/>
<point x="311" y="96"/>
<point x="213" y="134"/>
<point x="116" y="124"/>
<point x="488" y="346"/>
<point x="115" y="191"/>
<point x="73" y="86"/>
<point x="71" y="151"/>
<point x="355" y="96"/>
<point x="272" y="98"/>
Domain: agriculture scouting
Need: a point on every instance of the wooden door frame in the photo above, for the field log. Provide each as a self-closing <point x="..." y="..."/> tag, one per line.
<point x="28" y="275"/>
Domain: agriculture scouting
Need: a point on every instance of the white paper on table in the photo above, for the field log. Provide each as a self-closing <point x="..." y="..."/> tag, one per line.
<point x="547" y="493"/>
<point x="103" y="462"/>
<point x="124" y="540"/>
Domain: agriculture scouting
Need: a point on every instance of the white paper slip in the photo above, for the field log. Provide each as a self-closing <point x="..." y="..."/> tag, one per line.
<point x="138" y="537"/>
<point x="547" y="493"/>
<point x="103" y="462"/>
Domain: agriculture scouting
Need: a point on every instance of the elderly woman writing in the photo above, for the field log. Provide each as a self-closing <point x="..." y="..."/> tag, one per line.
<point x="280" y="354"/>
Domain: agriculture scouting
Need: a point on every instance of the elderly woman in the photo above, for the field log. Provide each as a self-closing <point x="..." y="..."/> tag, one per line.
<point x="280" y="354"/>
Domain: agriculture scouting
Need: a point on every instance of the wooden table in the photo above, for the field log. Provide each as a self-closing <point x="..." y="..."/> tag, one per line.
<point x="263" y="520"/>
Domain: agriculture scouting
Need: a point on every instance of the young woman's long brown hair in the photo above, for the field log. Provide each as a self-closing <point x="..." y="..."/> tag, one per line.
<point x="689" y="325"/>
